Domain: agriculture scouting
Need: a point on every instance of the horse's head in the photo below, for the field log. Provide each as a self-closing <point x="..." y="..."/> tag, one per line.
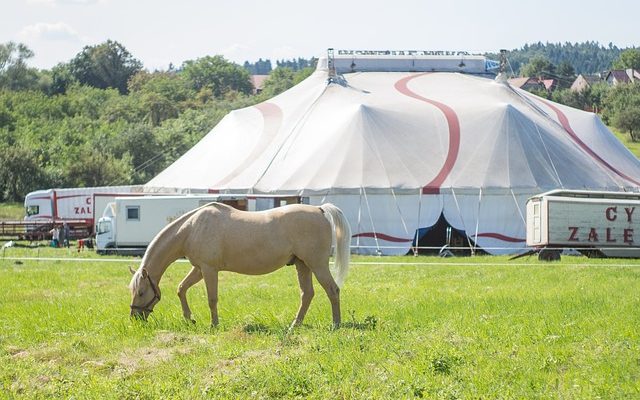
<point x="145" y="294"/>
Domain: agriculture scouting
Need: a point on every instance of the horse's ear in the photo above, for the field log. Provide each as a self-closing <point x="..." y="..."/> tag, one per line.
<point x="144" y="273"/>
<point x="131" y="270"/>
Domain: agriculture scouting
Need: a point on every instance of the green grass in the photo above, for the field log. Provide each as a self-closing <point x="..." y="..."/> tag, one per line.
<point x="11" y="211"/>
<point x="481" y="327"/>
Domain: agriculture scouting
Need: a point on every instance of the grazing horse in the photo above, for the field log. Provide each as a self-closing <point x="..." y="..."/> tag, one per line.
<point x="217" y="237"/>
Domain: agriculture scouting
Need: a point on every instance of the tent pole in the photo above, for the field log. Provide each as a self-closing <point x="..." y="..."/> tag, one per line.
<point x="461" y="218"/>
<point x="373" y="227"/>
<point x="475" y="244"/>
<point x="416" y="247"/>
<point x="359" y="219"/>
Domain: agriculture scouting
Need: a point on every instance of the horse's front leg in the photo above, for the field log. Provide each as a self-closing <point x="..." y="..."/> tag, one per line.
<point x="191" y="279"/>
<point x="210" y="276"/>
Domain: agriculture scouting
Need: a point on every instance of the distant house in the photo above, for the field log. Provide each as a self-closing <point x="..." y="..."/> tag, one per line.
<point x="527" y="83"/>
<point x="618" y="76"/>
<point x="550" y="84"/>
<point x="583" y="82"/>
<point x="258" y="82"/>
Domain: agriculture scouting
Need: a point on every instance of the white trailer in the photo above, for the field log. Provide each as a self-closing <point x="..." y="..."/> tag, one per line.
<point x="67" y="204"/>
<point x="128" y="224"/>
<point x="592" y="222"/>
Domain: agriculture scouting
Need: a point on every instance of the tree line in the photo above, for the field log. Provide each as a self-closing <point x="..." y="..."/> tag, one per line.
<point x="586" y="58"/>
<point x="102" y="119"/>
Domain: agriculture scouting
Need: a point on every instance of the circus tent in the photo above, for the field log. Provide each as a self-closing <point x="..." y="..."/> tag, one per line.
<point x="400" y="142"/>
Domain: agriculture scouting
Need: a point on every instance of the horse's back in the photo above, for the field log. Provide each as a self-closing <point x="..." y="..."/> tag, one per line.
<point x="263" y="240"/>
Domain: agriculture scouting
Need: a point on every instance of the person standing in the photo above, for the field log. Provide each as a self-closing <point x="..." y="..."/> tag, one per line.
<point x="64" y="235"/>
<point x="55" y="236"/>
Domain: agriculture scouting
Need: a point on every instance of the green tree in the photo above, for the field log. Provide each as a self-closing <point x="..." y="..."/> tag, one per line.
<point x="94" y="167"/>
<point x="566" y="74"/>
<point x="14" y="72"/>
<point x="280" y="79"/>
<point x="622" y="109"/>
<point x="163" y="95"/>
<point x="107" y="65"/>
<point x="539" y="67"/>
<point x="61" y="79"/>
<point x="629" y="120"/>
<point x="629" y="58"/>
<point x="20" y="172"/>
<point x="217" y="75"/>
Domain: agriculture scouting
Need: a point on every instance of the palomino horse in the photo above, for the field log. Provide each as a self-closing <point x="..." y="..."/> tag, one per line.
<point x="216" y="237"/>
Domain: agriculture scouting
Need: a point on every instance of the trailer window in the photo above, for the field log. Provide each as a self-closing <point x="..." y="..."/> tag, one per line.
<point x="133" y="213"/>
<point x="33" y="210"/>
<point x="104" y="227"/>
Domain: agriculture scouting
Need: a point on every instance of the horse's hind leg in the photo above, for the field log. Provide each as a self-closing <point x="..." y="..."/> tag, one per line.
<point x="305" y="279"/>
<point x="333" y="291"/>
<point x="191" y="279"/>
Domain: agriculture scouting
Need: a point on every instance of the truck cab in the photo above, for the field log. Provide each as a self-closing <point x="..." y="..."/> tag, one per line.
<point x="105" y="230"/>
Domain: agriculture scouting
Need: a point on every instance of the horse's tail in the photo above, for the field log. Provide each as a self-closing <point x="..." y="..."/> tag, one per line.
<point x="343" y="241"/>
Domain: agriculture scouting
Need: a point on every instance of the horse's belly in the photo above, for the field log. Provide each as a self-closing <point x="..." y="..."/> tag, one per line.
<point x="253" y="262"/>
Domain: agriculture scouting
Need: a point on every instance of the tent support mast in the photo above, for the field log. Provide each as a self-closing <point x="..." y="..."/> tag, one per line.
<point x="373" y="227"/>
<point x="461" y="218"/>
<point x="475" y="244"/>
<point x="416" y="247"/>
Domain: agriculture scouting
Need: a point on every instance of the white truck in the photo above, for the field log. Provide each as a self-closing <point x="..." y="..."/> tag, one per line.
<point x="128" y="224"/>
<point x="73" y="205"/>
<point x="596" y="223"/>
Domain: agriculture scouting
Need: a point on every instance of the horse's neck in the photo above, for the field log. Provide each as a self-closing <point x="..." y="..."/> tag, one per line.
<point x="163" y="251"/>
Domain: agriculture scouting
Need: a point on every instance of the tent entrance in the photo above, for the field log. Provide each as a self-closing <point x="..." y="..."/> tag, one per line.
<point x="443" y="239"/>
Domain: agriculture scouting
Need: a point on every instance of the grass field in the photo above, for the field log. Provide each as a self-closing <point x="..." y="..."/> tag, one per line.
<point x="11" y="211"/>
<point x="481" y="327"/>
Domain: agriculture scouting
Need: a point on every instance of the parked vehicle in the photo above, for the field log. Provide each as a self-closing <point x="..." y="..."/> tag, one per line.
<point x="592" y="222"/>
<point x="72" y="205"/>
<point x="128" y="224"/>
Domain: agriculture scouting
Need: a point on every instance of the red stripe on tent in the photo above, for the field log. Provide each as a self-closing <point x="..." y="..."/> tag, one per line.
<point x="500" y="236"/>
<point x="382" y="236"/>
<point x="272" y="116"/>
<point x="269" y="110"/>
<point x="433" y="187"/>
<point x="564" y="121"/>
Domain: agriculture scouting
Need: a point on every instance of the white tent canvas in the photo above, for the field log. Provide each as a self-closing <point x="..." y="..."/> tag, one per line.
<point x="396" y="150"/>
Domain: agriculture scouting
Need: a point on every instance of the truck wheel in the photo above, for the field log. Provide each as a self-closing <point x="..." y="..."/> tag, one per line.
<point x="549" y="255"/>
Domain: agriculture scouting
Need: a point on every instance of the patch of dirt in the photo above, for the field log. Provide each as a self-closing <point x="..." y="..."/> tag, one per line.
<point x="130" y="362"/>
<point x="167" y="346"/>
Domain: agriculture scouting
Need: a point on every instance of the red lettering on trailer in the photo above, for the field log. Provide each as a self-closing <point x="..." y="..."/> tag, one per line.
<point x="611" y="212"/>
<point x="628" y="236"/>
<point x="593" y="235"/>
<point x="629" y="211"/>
<point x="573" y="236"/>
<point x="610" y="238"/>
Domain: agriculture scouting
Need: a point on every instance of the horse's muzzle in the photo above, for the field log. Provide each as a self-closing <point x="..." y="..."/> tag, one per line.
<point x="139" y="314"/>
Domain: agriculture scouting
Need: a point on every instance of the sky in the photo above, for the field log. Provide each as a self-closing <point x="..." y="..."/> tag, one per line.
<point x="163" y="32"/>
